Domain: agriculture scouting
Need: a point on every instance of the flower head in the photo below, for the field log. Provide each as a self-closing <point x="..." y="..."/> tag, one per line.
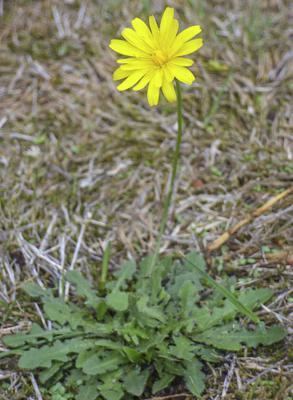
<point x="155" y="56"/>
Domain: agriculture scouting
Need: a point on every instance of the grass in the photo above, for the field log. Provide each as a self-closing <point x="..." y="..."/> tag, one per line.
<point x="81" y="163"/>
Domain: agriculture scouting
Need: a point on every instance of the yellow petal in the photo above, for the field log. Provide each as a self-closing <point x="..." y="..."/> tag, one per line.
<point x="169" y="91"/>
<point x="131" y="80"/>
<point x="189" y="47"/>
<point x="158" y="78"/>
<point x="168" y="74"/>
<point x="131" y="60"/>
<point x="143" y="31"/>
<point x="172" y="33"/>
<point x="122" y="47"/>
<point x="125" y="60"/>
<point x="166" y="20"/>
<point x="120" y="74"/>
<point x="182" y="74"/>
<point x="182" y="62"/>
<point x="154" y="29"/>
<point x="137" y="64"/>
<point x="168" y="28"/>
<point x="132" y="37"/>
<point x="153" y="94"/>
<point x="144" y="81"/>
<point x="189" y="33"/>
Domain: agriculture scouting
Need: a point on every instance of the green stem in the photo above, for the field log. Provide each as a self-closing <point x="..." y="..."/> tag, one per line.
<point x="175" y="163"/>
<point x="105" y="266"/>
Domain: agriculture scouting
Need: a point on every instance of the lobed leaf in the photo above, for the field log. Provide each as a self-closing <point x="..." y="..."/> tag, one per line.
<point x="88" y="392"/>
<point x="141" y="323"/>
<point x="99" y="364"/>
<point x="194" y="377"/>
<point x="42" y="357"/>
<point x="47" y="374"/>
<point x="111" y="391"/>
<point x="125" y="273"/>
<point x="62" y="313"/>
<point x="232" y="337"/>
<point x="183" y="348"/>
<point x="206" y="317"/>
<point x="83" y="288"/>
<point x="225" y="292"/>
<point x="162" y="383"/>
<point x="36" y="333"/>
<point x="151" y="312"/>
<point x="135" y="381"/>
<point x="194" y="259"/>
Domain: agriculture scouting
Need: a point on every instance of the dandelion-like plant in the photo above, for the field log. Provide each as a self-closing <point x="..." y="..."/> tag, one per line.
<point x="156" y="58"/>
<point x="148" y="324"/>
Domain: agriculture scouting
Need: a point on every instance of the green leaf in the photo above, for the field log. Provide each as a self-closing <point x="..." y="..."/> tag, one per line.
<point x="4" y="354"/>
<point x="57" y="310"/>
<point x="160" y="272"/>
<point x="36" y="333"/>
<point x="88" y="392"/>
<point x="118" y="301"/>
<point x="194" y="378"/>
<point x="194" y="259"/>
<point x="132" y="354"/>
<point x="206" y="318"/>
<point x="187" y="272"/>
<point x="111" y="391"/>
<point x="126" y="272"/>
<point x="132" y="333"/>
<point x="162" y="383"/>
<point x="34" y="290"/>
<point x="84" y="355"/>
<point x="162" y="324"/>
<point x="183" y="348"/>
<point x="144" y="267"/>
<point x="254" y="297"/>
<point x="152" y="312"/>
<point x="47" y="374"/>
<point x="100" y="364"/>
<point x="83" y="288"/>
<point x="42" y="357"/>
<point x="232" y="337"/>
<point x="135" y="381"/>
<point x="181" y="279"/>
<point x="75" y="377"/>
<point x="240" y="307"/>
<point x="108" y="344"/>
<point x="187" y="294"/>
<point x="174" y="368"/>
<point x="97" y="328"/>
<point x="207" y="353"/>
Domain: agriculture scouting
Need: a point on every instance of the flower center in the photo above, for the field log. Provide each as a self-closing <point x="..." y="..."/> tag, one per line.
<point x="159" y="58"/>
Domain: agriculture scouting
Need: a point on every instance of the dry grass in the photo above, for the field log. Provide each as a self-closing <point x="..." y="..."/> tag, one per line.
<point x="81" y="164"/>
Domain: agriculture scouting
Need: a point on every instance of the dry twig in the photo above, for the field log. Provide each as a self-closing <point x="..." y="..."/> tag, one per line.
<point x="259" y="211"/>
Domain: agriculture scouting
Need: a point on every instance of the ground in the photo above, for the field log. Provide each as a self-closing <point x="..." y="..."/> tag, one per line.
<point x="82" y="164"/>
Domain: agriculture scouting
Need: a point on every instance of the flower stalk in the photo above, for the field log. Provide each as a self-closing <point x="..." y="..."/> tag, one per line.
<point x="175" y="163"/>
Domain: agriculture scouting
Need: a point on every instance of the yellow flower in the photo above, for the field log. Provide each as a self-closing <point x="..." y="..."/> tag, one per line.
<point x="155" y="56"/>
